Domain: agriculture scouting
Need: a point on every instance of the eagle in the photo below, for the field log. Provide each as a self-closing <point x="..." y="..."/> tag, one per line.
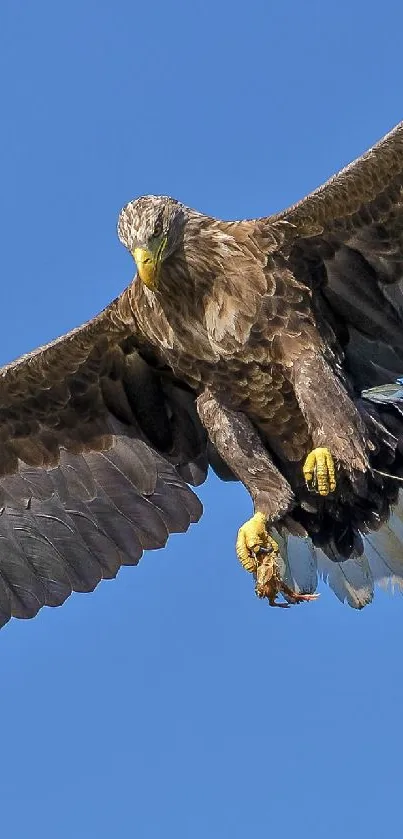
<point x="269" y="350"/>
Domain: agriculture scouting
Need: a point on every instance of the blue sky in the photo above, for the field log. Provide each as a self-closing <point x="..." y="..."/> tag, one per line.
<point x="171" y="703"/>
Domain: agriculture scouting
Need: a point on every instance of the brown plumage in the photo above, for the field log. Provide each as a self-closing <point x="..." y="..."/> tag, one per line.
<point x="247" y="345"/>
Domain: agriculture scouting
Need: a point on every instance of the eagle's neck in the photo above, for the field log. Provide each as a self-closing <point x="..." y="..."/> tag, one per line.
<point x="209" y="293"/>
<point x="197" y="264"/>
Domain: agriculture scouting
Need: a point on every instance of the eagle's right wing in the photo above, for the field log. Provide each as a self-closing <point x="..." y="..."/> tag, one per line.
<point x="95" y="454"/>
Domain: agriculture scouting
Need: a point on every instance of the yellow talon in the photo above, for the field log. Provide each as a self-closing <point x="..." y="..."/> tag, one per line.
<point x="319" y="471"/>
<point x="258" y="553"/>
<point x="253" y="538"/>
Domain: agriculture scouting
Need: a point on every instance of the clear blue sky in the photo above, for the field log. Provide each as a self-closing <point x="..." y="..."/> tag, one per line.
<point x="171" y="703"/>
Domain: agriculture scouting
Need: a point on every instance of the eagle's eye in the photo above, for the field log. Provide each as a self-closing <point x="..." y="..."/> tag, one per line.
<point x="157" y="228"/>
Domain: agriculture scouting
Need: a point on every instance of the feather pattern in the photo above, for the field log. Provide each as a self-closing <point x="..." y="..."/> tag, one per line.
<point x="298" y="563"/>
<point x="91" y="448"/>
<point x="351" y="579"/>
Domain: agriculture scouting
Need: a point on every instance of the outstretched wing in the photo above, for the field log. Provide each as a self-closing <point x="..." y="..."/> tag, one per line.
<point x="345" y="242"/>
<point x="96" y="449"/>
<point x="347" y="245"/>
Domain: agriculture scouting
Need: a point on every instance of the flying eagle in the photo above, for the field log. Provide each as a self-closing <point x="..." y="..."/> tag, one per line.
<point x="267" y="349"/>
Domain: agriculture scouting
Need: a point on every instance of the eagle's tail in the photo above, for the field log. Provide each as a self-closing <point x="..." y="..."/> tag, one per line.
<point x="353" y="580"/>
<point x="381" y="563"/>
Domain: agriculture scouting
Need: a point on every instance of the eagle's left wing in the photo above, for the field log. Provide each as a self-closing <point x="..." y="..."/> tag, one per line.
<point x="345" y="241"/>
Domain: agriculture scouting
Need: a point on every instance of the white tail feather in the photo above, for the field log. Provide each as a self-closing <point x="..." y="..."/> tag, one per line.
<point x="384" y="549"/>
<point x="351" y="580"/>
<point x="297" y="563"/>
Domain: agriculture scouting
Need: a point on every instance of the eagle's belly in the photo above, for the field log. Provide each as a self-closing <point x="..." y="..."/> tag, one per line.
<point x="265" y="394"/>
<point x="260" y="390"/>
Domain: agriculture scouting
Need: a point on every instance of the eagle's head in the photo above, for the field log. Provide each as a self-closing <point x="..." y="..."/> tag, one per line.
<point x="151" y="228"/>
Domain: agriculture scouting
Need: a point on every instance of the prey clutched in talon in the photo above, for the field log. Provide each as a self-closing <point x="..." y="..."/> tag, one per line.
<point x="269" y="584"/>
<point x="258" y="553"/>
<point x="319" y="471"/>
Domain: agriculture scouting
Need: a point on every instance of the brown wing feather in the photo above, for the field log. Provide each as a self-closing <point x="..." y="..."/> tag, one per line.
<point x="374" y="176"/>
<point x="93" y="442"/>
<point x="345" y="240"/>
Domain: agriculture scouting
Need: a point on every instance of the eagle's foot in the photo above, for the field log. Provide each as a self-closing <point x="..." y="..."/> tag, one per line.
<point x="319" y="471"/>
<point x="258" y="553"/>
<point x="254" y="542"/>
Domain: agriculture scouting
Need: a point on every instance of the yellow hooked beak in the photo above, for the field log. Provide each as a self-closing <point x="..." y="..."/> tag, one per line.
<point x="148" y="261"/>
